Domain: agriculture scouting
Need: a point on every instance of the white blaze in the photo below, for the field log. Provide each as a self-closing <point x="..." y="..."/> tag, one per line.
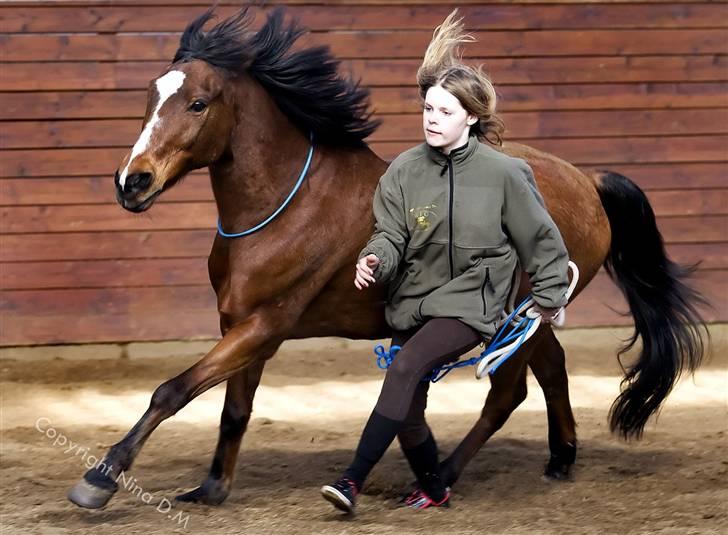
<point x="167" y="86"/>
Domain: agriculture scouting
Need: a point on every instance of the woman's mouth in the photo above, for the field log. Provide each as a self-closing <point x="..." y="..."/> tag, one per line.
<point x="433" y="132"/>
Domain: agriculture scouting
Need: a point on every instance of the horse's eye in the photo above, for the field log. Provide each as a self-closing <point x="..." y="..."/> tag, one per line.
<point x="198" y="106"/>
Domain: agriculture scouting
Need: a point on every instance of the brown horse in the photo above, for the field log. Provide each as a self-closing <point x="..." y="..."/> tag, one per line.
<point x="246" y="105"/>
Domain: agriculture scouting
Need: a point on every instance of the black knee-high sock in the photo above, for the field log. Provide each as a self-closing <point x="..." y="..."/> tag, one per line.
<point x="426" y="467"/>
<point x="378" y="434"/>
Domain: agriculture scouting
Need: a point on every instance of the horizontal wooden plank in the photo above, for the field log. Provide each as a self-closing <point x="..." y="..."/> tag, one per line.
<point x="398" y="127"/>
<point x="31" y="76"/>
<point x="196" y="187"/>
<point x="664" y="176"/>
<point x="79" y="246"/>
<point x="609" y="152"/>
<point x="164" y="313"/>
<point x="636" y="149"/>
<point x="95" y="190"/>
<point x="145" y="18"/>
<point x="111" y="315"/>
<point x="105" y="273"/>
<point x="609" y="96"/>
<point x="92" y="190"/>
<point x="144" y="272"/>
<point x="235" y="3"/>
<point x="203" y="215"/>
<point x="693" y="229"/>
<point x="97" y="217"/>
<point x="601" y="301"/>
<point x="106" y="245"/>
<point x="693" y="202"/>
<point x="707" y="255"/>
<point x="392" y="100"/>
<point x="384" y="44"/>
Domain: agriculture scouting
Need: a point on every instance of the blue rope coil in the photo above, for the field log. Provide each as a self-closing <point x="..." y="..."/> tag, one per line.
<point x="505" y="335"/>
<point x="384" y="357"/>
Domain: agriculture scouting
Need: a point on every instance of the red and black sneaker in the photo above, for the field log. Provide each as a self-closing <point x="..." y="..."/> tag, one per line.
<point x="419" y="500"/>
<point x="342" y="494"/>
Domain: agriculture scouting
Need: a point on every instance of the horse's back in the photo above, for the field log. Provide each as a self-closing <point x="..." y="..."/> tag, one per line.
<point x="573" y="202"/>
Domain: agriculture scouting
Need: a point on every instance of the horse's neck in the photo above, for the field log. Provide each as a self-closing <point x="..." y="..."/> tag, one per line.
<point x="249" y="185"/>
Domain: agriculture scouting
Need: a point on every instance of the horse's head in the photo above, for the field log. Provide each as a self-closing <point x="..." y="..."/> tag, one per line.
<point x="184" y="129"/>
<point x="227" y="73"/>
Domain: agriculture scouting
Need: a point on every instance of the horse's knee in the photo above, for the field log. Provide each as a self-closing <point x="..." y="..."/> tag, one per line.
<point x="503" y="400"/>
<point x="233" y="422"/>
<point x="519" y="394"/>
<point x="168" y="398"/>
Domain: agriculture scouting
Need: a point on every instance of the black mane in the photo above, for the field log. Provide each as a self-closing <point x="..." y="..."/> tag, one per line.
<point x="305" y="84"/>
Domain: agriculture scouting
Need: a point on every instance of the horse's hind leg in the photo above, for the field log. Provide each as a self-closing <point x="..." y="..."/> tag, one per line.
<point x="549" y="366"/>
<point x="508" y="389"/>
<point x="233" y="423"/>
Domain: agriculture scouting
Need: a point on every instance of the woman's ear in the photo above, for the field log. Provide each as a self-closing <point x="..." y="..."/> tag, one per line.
<point x="471" y="120"/>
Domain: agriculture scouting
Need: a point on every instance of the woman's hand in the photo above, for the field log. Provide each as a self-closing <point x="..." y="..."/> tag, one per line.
<point x="365" y="271"/>
<point x="554" y="316"/>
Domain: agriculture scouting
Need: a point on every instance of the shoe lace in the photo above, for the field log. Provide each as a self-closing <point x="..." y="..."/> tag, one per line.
<point x="349" y="484"/>
<point x="419" y="500"/>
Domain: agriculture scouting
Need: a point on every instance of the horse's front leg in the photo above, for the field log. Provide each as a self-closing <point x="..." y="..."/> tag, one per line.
<point x="238" y="349"/>
<point x="233" y="423"/>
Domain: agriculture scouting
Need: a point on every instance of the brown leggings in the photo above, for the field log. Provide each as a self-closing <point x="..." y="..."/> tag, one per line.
<point x="404" y="394"/>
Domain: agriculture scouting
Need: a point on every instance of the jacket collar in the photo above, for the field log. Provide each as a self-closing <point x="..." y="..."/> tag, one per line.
<point x="458" y="155"/>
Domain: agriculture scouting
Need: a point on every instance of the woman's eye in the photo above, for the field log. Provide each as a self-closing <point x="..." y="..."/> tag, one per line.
<point x="198" y="106"/>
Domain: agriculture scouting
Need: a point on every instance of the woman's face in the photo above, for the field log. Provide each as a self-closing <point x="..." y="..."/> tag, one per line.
<point x="445" y="122"/>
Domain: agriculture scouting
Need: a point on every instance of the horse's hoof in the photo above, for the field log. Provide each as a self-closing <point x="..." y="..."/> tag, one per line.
<point x="209" y="493"/>
<point x="557" y="472"/>
<point x="84" y="494"/>
<point x="448" y="474"/>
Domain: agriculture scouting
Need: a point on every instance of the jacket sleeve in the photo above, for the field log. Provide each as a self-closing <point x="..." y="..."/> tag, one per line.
<point x="390" y="231"/>
<point x="538" y="241"/>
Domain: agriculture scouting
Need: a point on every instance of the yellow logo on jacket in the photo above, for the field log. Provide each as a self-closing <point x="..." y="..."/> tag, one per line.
<point x="422" y="216"/>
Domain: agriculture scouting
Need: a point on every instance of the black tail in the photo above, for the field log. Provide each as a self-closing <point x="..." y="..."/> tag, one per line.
<point x="662" y="304"/>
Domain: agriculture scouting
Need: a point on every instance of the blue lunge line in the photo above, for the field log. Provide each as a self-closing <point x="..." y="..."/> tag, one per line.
<point x="502" y="338"/>
<point x="280" y="208"/>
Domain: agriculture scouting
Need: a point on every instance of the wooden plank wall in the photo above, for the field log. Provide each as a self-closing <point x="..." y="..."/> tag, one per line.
<point x="636" y="87"/>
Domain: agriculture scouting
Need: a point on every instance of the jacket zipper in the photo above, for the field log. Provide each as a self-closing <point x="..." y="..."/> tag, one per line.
<point x="486" y="283"/>
<point x="452" y="196"/>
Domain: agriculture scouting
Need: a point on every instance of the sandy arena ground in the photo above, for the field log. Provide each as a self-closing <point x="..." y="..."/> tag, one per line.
<point x="309" y="411"/>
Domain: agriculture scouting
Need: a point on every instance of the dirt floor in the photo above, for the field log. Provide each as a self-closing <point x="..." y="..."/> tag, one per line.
<point x="308" y="415"/>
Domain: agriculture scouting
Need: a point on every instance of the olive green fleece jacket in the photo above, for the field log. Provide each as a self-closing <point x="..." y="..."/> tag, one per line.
<point x="450" y="230"/>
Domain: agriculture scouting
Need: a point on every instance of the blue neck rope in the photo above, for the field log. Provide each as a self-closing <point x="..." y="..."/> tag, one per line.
<point x="280" y="208"/>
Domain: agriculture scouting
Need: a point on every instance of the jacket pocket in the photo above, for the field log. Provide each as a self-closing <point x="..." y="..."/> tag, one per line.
<point x="484" y="288"/>
<point x="496" y="284"/>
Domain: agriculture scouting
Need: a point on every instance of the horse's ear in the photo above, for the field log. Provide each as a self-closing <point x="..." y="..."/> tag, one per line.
<point x="193" y="34"/>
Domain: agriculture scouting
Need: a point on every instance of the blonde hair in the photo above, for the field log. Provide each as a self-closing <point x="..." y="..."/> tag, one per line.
<point x="442" y="65"/>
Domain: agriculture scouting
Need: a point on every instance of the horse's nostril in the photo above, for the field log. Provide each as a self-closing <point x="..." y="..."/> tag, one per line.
<point x="137" y="182"/>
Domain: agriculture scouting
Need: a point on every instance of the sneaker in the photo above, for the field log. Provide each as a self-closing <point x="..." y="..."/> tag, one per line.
<point x="419" y="500"/>
<point x="342" y="494"/>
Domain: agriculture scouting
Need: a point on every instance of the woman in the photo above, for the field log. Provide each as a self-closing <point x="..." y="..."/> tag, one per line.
<point x="453" y="218"/>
